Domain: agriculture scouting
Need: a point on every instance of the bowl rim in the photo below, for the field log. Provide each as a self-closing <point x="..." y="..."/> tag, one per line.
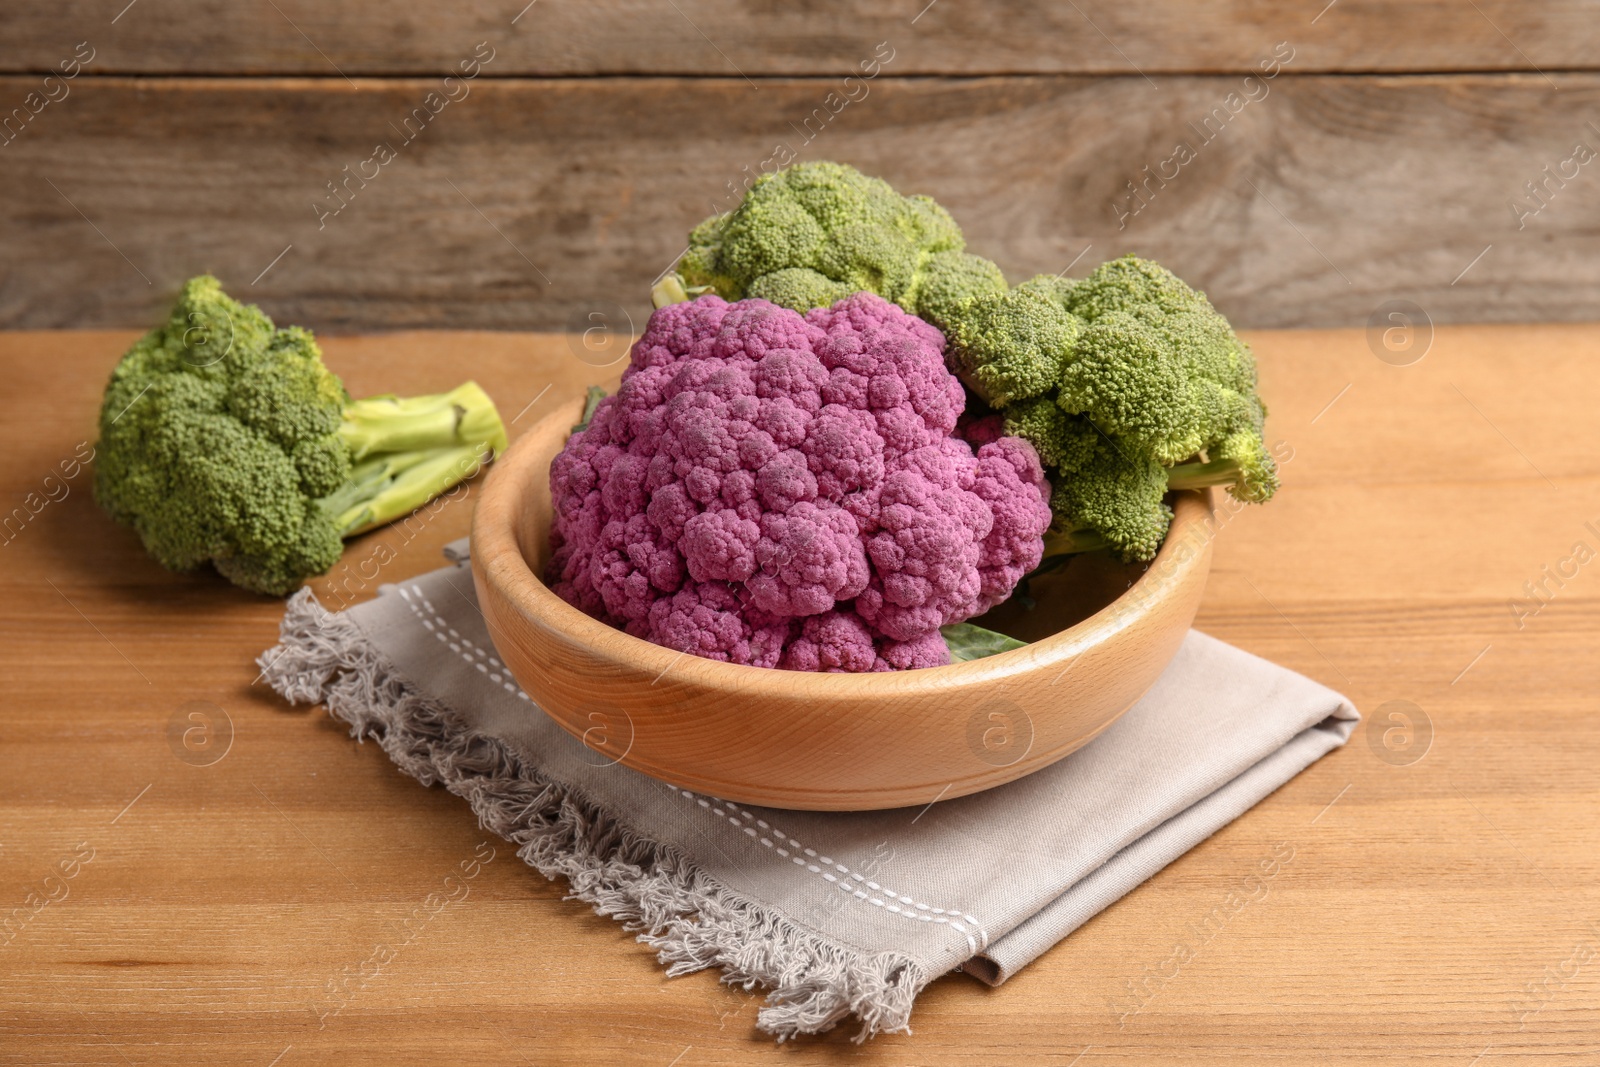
<point x="497" y="554"/>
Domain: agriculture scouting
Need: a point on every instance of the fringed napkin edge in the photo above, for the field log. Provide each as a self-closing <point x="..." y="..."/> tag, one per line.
<point x="691" y="921"/>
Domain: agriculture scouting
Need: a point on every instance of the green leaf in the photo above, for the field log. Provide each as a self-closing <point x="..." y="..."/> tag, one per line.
<point x="967" y="641"/>
<point x="591" y="401"/>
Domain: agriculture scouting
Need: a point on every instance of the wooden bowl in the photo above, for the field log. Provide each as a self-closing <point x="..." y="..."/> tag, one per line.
<point x="831" y="742"/>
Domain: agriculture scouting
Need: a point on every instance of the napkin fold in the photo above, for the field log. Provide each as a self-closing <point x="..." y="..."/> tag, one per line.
<point x="836" y="914"/>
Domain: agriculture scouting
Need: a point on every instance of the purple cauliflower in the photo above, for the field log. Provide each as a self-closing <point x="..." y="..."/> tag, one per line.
<point x="785" y="491"/>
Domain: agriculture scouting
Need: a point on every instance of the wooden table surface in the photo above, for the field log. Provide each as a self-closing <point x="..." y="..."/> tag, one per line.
<point x="1442" y="903"/>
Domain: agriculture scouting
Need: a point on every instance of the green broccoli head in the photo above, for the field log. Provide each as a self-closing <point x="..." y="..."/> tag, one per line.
<point x="217" y="435"/>
<point x="815" y="232"/>
<point x="1157" y="365"/>
<point x="1159" y="373"/>
<point x="222" y="438"/>
<point x="1015" y="344"/>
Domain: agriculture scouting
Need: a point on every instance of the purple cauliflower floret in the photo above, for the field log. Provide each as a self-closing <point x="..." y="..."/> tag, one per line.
<point x="785" y="491"/>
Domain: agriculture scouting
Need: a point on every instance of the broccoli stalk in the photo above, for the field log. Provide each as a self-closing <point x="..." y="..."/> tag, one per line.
<point x="224" y="439"/>
<point x="390" y="423"/>
<point x="406" y="451"/>
<point x="1070" y="541"/>
<point x="671" y="289"/>
<point x="1205" y="474"/>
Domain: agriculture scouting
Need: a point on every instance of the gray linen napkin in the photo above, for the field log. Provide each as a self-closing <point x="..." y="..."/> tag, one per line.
<point x="837" y="914"/>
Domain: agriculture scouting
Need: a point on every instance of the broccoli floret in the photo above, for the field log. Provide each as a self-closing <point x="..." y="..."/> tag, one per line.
<point x="1065" y="443"/>
<point x="1015" y="344"/>
<point x="949" y="284"/>
<point x="798" y="288"/>
<point x="223" y="439"/>
<point x="1131" y="379"/>
<point x="1130" y="284"/>
<point x="700" y="268"/>
<point x="1116" y="498"/>
<point x="812" y="234"/>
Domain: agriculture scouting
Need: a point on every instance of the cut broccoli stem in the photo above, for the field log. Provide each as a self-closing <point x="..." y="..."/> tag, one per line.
<point x="671" y="289"/>
<point x="408" y="450"/>
<point x="381" y="424"/>
<point x="1202" y="475"/>
<point x="392" y="485"/>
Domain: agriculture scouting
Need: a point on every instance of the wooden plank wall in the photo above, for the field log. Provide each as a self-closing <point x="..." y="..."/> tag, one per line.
<point x="1388" y="156"/>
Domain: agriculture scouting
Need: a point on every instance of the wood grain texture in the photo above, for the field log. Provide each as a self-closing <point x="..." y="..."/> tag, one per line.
<point x="871" y="741"/>
<point x="1431" y="910"/>
<point x="541" y="203"/>
<point x="724" y="38"/>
